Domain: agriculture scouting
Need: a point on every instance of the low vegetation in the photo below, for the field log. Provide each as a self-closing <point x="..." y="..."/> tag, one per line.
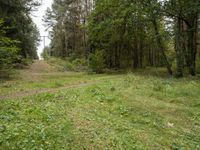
<point x="128" y="111"/>
<point x="81" y="96"/>
<point x="68" y="64"/>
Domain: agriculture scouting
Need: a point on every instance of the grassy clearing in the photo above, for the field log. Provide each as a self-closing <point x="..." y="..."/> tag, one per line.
<point x="120" y="112"/>
<point x="27" y="82"/>
<point x="131" y="111"/>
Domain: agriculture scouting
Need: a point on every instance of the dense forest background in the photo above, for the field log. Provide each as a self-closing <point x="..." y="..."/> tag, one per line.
<point x="102" y="34"/>
<point x="120" y="34"/>
<point x="19" y="36"/>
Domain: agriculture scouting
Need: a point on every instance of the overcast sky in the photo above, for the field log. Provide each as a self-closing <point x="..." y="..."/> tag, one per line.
<point x="37" y="18"/>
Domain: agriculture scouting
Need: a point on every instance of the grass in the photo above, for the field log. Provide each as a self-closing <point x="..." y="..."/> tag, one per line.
<point x="130" y="111"/>
<point x="45" y="81"/>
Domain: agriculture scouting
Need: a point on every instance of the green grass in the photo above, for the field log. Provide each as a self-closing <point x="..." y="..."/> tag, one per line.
<point x="45" y="81"/>
<point x="131" y="111"/>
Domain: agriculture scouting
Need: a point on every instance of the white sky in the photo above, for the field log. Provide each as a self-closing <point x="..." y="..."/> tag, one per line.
<point x="37" y="18"/>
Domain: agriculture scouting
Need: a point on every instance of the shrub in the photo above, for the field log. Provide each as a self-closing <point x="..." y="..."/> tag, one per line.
<point x="80" y="64"/>
<point x="7" y="56"/>
<point x="68" y="64"/>
<point x="77" y="64"/>
<point x="97" y="61"/>
<point x="45" y="54"/>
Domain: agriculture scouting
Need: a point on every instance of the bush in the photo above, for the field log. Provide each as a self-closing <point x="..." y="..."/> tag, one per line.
<point x="80" y="64"/>
<point x="45" y="53"/>
<point x="7" y="56"/>
<point x="68" y="64"/>
<point x="97" y="61"/>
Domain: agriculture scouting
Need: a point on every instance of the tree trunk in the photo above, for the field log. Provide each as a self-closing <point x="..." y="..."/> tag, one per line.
<point x="192" y="45"/>
<point x="160" y="45"/>
<point x="179" y="48"/>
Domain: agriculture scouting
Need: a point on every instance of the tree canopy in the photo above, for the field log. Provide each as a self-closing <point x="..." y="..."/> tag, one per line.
<point x="128" y="34"/>
<point x="19" y="35"/>
<point x="132" y="34"/>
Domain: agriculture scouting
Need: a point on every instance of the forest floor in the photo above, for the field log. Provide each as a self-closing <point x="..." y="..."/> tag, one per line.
<point x="42" y="108"/>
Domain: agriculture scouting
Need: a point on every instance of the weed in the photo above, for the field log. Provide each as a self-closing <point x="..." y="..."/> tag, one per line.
<point x="129" y="112"/>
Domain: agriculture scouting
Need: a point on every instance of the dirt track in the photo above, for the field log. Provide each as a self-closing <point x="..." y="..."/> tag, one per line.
<point x="34" y="74"/>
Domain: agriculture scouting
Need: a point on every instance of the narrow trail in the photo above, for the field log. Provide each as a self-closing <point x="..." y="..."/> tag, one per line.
<point x="40" y="66"/>
<point x="34" y="74"/>
<point x="42" y="91"/>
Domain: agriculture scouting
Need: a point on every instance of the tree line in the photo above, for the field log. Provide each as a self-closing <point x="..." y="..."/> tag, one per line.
<point x="19" y="36"/>
<point x="127" y="34"/>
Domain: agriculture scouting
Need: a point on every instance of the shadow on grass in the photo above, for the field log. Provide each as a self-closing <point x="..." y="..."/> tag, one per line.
<point x="158" y="72"/>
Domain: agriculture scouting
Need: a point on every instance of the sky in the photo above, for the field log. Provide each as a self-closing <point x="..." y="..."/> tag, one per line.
<point x="37" y="17"/>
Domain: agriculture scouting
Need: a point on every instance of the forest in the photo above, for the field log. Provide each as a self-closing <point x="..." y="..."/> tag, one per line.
<point x="120" y="34"/>
<point x="116" y="75"/>
<point x="18" y="34"/>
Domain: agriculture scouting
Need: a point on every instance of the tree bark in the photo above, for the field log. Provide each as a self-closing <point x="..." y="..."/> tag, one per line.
<point x="192" y="45"/>
<point x="161" y="47"/>
<point x="179" y="48"/>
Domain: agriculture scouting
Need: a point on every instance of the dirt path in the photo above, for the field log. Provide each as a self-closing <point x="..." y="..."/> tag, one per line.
<point x="40" y="66"/>
<point x="41" y="91"/>
<point x="34" y="74"/>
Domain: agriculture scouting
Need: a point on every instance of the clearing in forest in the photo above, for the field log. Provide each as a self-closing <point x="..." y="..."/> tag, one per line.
<point x="43" y="108"/>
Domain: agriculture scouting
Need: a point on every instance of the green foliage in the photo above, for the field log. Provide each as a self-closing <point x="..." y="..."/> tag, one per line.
<point x="133" y="34"/>
<point x="45" y="53"/>
<point x="69" y="33"/>
<point x="79" y="64"/>
<point x="97" y="61"/>
<point x="20" y="27"/>
<point x="8" y="52"/>
<point x="68" y="64"/>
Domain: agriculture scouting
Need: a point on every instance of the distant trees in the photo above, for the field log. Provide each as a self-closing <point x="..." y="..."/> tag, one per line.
<point x="185" y="14"/>
<point x="131" y="33"/>
<point x="68" y="20"/>
<point x="8" y="51"/>
<point x="19" y="35"/>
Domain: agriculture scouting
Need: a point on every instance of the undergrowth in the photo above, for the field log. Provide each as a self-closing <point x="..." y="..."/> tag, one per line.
<point x="120" y="112"/>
